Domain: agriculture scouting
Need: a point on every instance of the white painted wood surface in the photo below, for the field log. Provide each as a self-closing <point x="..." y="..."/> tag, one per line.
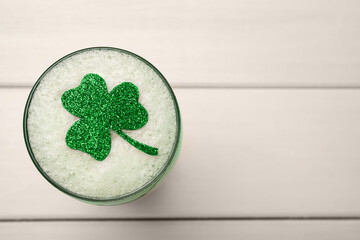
<point x="286" y="152"/>
<point x="245" y="153"/>
<point x="193" y="43"/>
<point x="253" y="230"/>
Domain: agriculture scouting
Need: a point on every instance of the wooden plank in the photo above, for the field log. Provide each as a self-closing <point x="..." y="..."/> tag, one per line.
<point x="196" y="43"/>
<point x="245" y="153"/>
<point x="255" y="230"/>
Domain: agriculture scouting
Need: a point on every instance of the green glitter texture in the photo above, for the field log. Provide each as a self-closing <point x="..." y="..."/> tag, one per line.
<point x="99" y="111"/>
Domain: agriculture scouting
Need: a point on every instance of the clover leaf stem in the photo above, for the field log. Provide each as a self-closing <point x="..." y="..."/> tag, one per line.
<point x="142" y="147"/>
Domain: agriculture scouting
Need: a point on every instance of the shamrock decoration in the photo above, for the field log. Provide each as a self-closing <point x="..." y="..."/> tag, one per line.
<point x="99" y="111"/>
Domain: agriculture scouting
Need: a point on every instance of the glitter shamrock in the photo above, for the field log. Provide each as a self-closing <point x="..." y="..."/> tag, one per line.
<point x="100" y="111"/>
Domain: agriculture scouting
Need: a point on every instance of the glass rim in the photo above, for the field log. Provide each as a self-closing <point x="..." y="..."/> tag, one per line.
<point x="121" y="198"/>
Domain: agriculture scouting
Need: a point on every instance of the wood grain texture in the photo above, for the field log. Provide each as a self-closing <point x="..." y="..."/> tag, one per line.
<point x="245" y="153"/>
<point x="193" y="43"/>
<point x="319" y="230"/>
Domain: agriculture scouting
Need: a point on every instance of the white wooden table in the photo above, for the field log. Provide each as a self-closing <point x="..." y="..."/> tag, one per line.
<point x="270" y="97"/>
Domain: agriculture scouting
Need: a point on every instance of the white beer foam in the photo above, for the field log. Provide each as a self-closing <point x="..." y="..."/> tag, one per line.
<point x="126" y="168"/>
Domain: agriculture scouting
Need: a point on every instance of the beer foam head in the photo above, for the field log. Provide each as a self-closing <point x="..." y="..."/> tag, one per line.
<point x="125" y="169"/>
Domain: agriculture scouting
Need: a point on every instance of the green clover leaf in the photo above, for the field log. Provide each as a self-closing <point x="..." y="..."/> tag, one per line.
<point x="100" y="111"/>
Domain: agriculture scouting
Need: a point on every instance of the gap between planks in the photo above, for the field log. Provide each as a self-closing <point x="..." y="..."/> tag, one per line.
<point x="319" y="218"/>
